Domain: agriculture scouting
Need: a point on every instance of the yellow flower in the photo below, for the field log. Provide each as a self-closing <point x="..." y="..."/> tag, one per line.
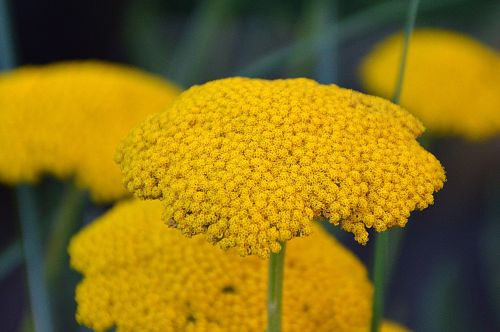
<point x="252" y="162"/>
<point x="451" y="81"/>
<point x="142" y="276"/>
<point x="66" y="119"/>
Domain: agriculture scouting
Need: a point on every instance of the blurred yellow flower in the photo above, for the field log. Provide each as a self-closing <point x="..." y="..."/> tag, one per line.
<point x="142" y="276"/>
<point x="252" y="162"/>
<point x="66" y="119"/>
<point x="389" y="326"/>
<point x="451" y="81"/>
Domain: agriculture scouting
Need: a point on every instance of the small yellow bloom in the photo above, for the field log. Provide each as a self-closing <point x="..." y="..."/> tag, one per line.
<point x="252" y="162"/>
<point x="66" y="119"/>
<point x="451" y="81"/>
<point x="142" y="276"/>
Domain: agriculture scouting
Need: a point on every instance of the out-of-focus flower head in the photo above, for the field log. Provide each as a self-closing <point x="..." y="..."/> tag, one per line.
<point x="66" y="119"/>
<point x="252" y="162"/>
<point x="451" y="81"/>
<point x="390" y="326"/>
<point x="142" y="276"/>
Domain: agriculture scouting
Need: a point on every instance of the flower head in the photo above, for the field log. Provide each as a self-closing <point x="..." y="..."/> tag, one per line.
<point x="142" y="276"/>
<point x="252" y="162"/>
<point x="66" y="119"/>
<point x="451" y="81"/>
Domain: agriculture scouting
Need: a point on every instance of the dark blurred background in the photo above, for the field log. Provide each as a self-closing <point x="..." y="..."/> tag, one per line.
<point x="447" y="274"/>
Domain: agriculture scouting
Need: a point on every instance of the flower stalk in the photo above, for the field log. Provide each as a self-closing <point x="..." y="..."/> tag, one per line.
<point x="32" y="245"/>
<point x="67" y="216"/>
<point x="10" y="258"/>
<point x="379" y="279"/>
<point x="381" y="261"/>
<point x="28" y="215"/>
<point x="6" y="48"/>
<point x="410" y="24"/>
<point x="275" y="289"/>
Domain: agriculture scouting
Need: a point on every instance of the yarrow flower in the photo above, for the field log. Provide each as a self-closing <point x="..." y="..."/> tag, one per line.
<point x="251" y="162"/>
<point x="451" y="81"/>
<point x="66" y="119"/>
<point x="142" y="276"/>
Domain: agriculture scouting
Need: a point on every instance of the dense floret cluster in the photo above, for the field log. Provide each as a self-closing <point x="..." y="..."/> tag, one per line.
<point x="251" y="162"/>
<point x="142" y="276"/>
<point x="66" y="119"/>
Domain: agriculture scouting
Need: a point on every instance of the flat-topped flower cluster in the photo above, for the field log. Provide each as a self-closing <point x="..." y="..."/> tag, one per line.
<point x="251" y="163"/>
<point x="451" y="81"/>
<point x="65" y="120"/>
<point x="141" y="276"/>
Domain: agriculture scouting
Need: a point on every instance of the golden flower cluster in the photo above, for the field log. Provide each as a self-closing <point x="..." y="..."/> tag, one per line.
<point x="66" y="120"/>
<point x="451" y="81"/>
<point x="142" y="276"/>
<point x="252" y="162"/>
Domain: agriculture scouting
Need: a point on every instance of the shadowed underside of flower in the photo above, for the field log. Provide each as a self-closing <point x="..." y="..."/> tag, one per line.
<point x="253" y="162"/>
<point x="142" y="276"/>
<point x="451" y="81"/>
<point x="66" y="119"/>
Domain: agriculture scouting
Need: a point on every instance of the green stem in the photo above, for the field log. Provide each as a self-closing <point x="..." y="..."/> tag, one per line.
<point x="190" y="57"/>
<point x="383" y="263"/>
<point x="6" y="48"/>
<point x="275" y="290"/>
<point x="317" y="19"/>
<point x="326" y="70"/>
<point x="336" y="33"/>
<point x="410" y="24"/>
<point x="10" y="258"/>
<point x="379" y="279"/>
<point x="32" y="245"/>
<point x="65" y="221"/>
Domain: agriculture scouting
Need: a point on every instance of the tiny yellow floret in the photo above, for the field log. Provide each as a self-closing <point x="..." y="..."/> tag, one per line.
<point x="251" y="162"/>
<point x="66" y="119"/>
<point x="451" y="81"/>
<point x="142" y="276"/>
